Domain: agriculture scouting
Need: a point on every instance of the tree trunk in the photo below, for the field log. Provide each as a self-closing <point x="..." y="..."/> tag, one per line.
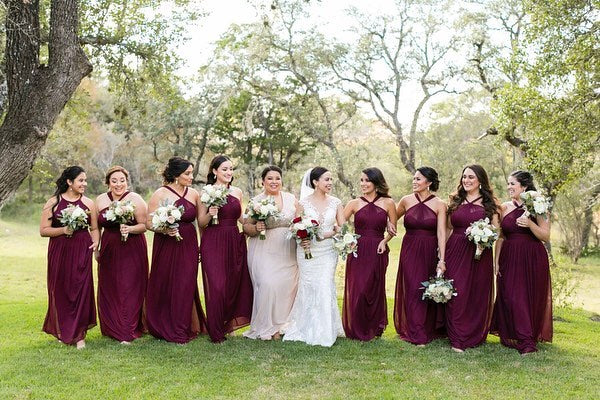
<point x="37" y="93"/>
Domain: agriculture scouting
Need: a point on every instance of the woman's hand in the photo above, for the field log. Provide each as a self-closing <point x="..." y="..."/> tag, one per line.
<point x="67" y="231"/>
<point x="441" y="267"/>
<point x="94" y="246"/>
<point x="381" y="247"/>
<point x="524" y="222"/>
<point x="305" y="244"/>
<point x="212" y="211"/>
<point x="125" y="229"/>
<point x="391" y="228"/>
<point x="171" y="231"/>
<point x="261" y="226"/>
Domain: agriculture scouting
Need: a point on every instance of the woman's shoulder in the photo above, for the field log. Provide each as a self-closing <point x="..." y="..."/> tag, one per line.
<point x="334" y="201"/>
<point x="87" y="201"/>
<point x="51" y="202"/>
<point x="236" y="191"/>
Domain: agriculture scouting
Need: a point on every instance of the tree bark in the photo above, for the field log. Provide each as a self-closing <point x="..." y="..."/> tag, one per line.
<point x="36" y="93"/>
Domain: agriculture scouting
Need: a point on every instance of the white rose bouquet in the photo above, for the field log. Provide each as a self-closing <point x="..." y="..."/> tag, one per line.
<point x="304" y="228"/>
<point x="483" y="234"/>
<point x="438" y="289"/>
<point x="214" y="196"/>
<point x="261" y="210"/>
<point x="74" y="217"/>
<point x="535" y="204"/>
<point x="166" y="216"/>
<point x="121" y="212"/>
<point x="345" y="242"/>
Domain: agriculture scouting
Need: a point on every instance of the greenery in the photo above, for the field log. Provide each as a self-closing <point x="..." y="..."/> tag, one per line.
<point x="35" y="366"/>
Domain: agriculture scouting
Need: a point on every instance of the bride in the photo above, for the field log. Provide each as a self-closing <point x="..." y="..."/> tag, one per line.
<point x="315" y="317"/>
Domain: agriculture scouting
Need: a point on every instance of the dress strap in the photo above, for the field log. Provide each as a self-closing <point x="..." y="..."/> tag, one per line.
<point x="474" y="200"/>
<point x="178" y="195"/>
<point x="431" y="196"/>
<point x="110" y="196"/>
<point x="517" y="205"/>
<point x="370" y="202"/>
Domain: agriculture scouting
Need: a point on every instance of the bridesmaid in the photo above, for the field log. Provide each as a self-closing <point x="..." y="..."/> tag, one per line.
<point x="272" y="262"/>
<point x="225" y="276"/>
<point x="523" y="314"/>
<point x="173" y="309"/>
<point x="71" y="309"/>
<point x="422" y="255"/>
<point x="364" y="312"/>
<point x="468" y="315"/>
<point x="122" y="265"/>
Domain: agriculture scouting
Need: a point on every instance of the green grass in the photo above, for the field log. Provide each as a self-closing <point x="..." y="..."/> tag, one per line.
<point x="35" y="366"/>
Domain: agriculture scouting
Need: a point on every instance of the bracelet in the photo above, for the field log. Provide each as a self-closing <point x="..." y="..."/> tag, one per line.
<point x="442" y="261"/>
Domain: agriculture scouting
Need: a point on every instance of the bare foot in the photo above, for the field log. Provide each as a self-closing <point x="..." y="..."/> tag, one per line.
<point x="81" y="344"/>
<point x="420" y="345"/>
<point x="276" y="336"/>
<point x="458" y="350"/>
<point x="125" y="342"/>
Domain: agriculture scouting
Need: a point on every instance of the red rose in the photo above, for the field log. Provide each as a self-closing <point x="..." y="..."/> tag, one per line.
<point x="296" y="220"/>
<point x="315" y="223"/>
<point x="302" y="234"/>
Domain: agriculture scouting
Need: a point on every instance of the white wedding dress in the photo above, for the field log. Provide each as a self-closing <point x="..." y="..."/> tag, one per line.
<point x="315" y="317"/>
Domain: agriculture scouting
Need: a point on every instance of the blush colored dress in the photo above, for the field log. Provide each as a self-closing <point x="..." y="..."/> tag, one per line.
<point x="122" y="280"/>
<point x="418" y="321"/>
<point x="523" y="313"/>
<point x="364" y="311"/>
<point x="71" y="308"/>
<point x="173" y="309"/>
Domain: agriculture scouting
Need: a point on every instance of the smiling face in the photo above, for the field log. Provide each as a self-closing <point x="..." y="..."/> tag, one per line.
<point x="117" y="183"/>
<point x="419" y="183"/>
<point x="224" y="173"/>
<point x="325" y="182"/>
<point x="469" y="181"/>
<point x="186" y="177"/>
<point x="514" y="188"/>
<point x="272" y="183"/>
<point x="366" y="186"/>
<point x="79" y="184"/>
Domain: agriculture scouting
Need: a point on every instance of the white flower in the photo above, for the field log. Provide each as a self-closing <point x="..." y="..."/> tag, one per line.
<point x="119" y="211"/>
<point x="348" y="238"/>
<point x="299" y="226"/>
<point x="109" y="215"/>
<point x="156" y="220"/>
<point x="539" y="207"/>
<point x="77" y="213"/>
<point x="163" y="218"/>
<point x="205" y="197"/>
<point x="176" y="214"/>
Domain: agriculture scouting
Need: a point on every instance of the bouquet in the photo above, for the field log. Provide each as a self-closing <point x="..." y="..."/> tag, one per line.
<point x="438" y="289"/>
<point x="120" y="212"/>
<point x="261" y="210"/>
<point x="166" y="217"/>
<point x="483" y="234"/>
<point x="535" y="204"/>
<point x="74" y="217"/>
<point x="304" y="228"/>
<point x="214" y="196"/>
<point x="345" y="242"/>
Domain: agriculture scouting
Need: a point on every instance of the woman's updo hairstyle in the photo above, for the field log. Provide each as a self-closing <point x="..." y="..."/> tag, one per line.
<point x="270" y="168"/>
<point x="112" y="170"/>
<point x="69" y="174"/>
<point x="175" y="167"/>
<point x="525" y="179"/>
<point x="315" y="174"/>
<point x="432" y="176"/>
<point x="216" y="162"/>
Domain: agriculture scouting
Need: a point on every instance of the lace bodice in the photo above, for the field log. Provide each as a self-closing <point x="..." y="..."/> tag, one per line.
<point x="328" y="218"/>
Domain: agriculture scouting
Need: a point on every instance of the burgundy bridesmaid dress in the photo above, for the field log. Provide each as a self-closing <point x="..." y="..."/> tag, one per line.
<point x="364" y="313"/>
<point x="173" y="309"/>
<point x="418" y="321"/>
<point x="523" y="313"/>
<point x="71" y="308"/>
<point x="468" y="315"/>
<point x="122" y="280"/>
<point x="227" y="286"/>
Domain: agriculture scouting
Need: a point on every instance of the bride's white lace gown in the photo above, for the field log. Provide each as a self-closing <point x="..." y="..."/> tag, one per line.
<point x="315" y="317"/>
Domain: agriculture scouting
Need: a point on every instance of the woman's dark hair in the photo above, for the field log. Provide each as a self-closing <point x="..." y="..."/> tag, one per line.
<point x="315" y="174"/>
<point x="216" y="162"/>
<point x="525" y="179"/>
<point x="112" y="170"/>
<point x="175" y="167"/>
<point x="270" y="168"/>
<point x="70" y="173"/>
<point x="489" y="201"/>
<point x="375" y="176"/>
<point x="432" y="176"/>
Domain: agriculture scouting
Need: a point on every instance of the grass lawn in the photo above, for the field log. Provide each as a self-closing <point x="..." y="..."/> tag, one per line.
<point x="34" y="366"/>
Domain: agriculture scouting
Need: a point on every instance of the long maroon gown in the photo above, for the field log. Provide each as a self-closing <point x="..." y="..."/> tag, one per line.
<point x="468" y="315"/>
<point x="122" y="280"/>
<point x="364" y="312"/>
<point x="173" y="309"/>
<point x="227" y="286"/>
<point x="523" y="313"/>
<point x="418" y="321"/>
<point x="71" y="308"/>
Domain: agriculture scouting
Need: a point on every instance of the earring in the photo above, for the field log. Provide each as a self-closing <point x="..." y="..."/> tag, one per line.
<point x="177" y="181"/>
<point x="480" y="186"/>
<point x="215" y="176"/>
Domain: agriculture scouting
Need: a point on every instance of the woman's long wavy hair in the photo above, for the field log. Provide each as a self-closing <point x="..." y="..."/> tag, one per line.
<point x="70" y="173"/>
<point x="376" y="177"/>
<point x="489" y="201"/>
